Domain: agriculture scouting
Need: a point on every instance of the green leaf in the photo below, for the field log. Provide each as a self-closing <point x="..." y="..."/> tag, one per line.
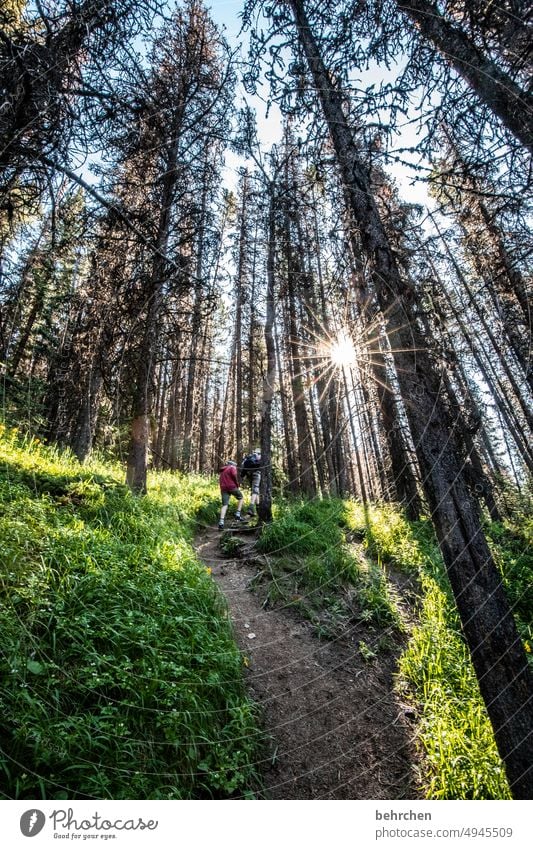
<point x="35" y="667"/>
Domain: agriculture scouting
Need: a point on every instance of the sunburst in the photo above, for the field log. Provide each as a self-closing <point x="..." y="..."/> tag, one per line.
<point x="342" y="351"/>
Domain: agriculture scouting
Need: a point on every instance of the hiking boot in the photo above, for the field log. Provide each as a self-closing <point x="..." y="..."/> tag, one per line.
<point x="221" y="526"/>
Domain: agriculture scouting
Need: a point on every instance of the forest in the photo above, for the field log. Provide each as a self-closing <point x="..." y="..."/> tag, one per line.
<point x="292" y="227"/>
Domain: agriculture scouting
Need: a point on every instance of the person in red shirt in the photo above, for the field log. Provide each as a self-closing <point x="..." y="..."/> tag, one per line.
<point x="229" y="485"/>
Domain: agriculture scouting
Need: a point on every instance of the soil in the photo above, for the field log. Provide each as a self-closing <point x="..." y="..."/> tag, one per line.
<point x="337" y="727"/>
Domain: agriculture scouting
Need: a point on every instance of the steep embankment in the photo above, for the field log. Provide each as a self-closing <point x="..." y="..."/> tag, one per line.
<point x="120" y="676"/>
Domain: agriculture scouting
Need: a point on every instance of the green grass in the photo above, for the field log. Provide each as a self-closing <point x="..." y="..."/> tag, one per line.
<point x="460" y="753"/>
<point x="512" y="546"/>
<point x="312" y="567"/>
<point x="461" y="758"/>
<point x="120" y="675"/>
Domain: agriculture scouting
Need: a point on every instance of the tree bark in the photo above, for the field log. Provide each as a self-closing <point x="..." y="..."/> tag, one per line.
<point x="136" y="471"/>
<point x="239" y="297"/>
<point x="265" y="503"/>
<point x="305" y="470"/>
<point x="81" y="441"/>
<point x="493" y="86"/>
<point x="288" y="430"/>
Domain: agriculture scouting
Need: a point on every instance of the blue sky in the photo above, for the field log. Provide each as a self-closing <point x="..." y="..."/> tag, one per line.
<point x="226" y="13"/>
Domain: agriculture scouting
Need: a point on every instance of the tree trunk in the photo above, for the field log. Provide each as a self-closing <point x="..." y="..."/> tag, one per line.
<point x="381" y="365"/>
<point x="288" y="430"/>
<point x="252" y="355"/>
<point x="143" y="390"/>
<point x="305" y="470"/>
<point x="335" y="415"/>
<point x="495" y="88"/>
<point x="34" y="313"/>
<point x="239" y="298"/>
<point x="491" y="378"/>
<point x="194" y="347"/>
<point x="525" y="406"/>
<point x="265" y="503"/>
<point x="360" y="476"/>
<point x="81" y="441"/>
<point x="359" y="404"/>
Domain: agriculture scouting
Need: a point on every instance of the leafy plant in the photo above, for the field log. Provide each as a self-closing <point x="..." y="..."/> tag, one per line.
<point x="120" y="675"/>
<point x="231" y="546"/>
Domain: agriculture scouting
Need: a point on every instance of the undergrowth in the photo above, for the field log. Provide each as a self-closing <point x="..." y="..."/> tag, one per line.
<point x="120" y="675"/>
<point x="310" y="566"/>
<point x="461" y="754"/>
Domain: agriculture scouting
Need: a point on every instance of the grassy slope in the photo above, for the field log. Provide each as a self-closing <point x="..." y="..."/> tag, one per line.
<point x="120" y="675"/>
<point x="455" y="732"/>
<point x="313" y="568"/>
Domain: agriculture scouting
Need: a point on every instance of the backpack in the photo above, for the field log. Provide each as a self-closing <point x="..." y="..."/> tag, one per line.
<point x="250" y="463"/>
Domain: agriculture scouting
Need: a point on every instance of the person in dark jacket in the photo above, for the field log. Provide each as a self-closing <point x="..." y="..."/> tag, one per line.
<point x="251" y="469"/>
<point x="229" y="485"/>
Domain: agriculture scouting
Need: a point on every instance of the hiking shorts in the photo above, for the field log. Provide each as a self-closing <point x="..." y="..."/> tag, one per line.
<point x="226" y="496"/>
<point x="256" y="481"/>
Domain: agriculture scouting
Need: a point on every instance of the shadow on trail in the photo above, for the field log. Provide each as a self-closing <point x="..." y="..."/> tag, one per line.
<point x="338" y="729"/>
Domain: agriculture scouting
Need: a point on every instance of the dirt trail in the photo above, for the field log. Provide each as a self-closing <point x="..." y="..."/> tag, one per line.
<point x="338" y="730"/>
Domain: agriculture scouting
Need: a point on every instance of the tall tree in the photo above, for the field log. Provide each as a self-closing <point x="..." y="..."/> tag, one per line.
<point x="496" y="88"/>
<point x="55" y="89"/>
<point x="190" y="82"/>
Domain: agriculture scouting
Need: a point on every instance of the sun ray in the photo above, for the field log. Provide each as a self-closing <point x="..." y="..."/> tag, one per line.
<point x="342" y="351"/>
<point x="331" y="369"/>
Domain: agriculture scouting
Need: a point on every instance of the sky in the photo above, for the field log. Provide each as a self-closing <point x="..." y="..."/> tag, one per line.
<point x="226" y="13"/>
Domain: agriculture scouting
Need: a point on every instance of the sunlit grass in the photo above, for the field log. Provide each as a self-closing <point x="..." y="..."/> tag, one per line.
<point x="120" y="675"/>
<point x="460" y="753"/>
<point x="314" y="568"/>
<point x="460" y="756"/>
